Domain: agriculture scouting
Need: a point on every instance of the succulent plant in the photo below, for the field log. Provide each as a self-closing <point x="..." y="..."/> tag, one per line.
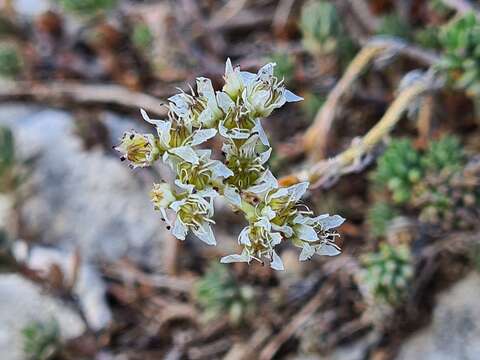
<point x="399" y="168"/>
<point x="450" y="198"/>
<point x="87" y="7"/>
<point x="41" y="340"/>
<point x="379" y="217"/>
<point x="10" y="61"/>
<point x="428" y="37"/>
<point x="385" y="274"/>
<point x="394" y="25"/>
<point x="444" y="153"/>
<point x="322" y="30"/>
<point x="460" y="42"/>
<point x="142" y="36"/>
<point x="219" y="293"/>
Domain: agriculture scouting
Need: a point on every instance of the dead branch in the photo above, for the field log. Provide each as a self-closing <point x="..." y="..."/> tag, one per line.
<point x="316" y="137"/>
<point x="291" y="328"/>
<point x="63" y="93"/>
<point x="325" y="172"/>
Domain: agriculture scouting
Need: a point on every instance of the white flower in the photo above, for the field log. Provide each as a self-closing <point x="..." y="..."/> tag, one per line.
<point x="194" y="213"/>
<point x="235" y="80"/>
<point x="201" y="110"/>
<point x="322" y="242"/>
<point x="206" y="173"/>
<point x="266" y="93"/>
<point x="265" y="183"/>
<point x="179" y="140"/>
<point x="246" y="162"/>
<point x="259" y="241"/>
<point x="162" y="196"/>
<point x="139" y="149"/>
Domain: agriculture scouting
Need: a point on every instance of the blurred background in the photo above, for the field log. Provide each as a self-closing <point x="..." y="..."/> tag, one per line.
<point x="88" y="270"/>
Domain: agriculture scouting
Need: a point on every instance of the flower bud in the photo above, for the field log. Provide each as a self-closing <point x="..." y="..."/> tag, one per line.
<point x="139" y="149"/>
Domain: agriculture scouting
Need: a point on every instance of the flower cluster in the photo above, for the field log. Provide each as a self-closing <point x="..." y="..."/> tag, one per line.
<point x="242" y="177"/>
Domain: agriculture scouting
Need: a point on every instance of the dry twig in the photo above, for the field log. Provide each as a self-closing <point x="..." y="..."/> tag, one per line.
<point x="350" y="160"/>
<point x="316" y="137"/>
<point x="298" y="320"/>
<point x="61" y="93"/>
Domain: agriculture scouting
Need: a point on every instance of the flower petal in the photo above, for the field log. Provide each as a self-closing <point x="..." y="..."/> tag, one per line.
<point x="291" y="97"/>
<point x="179" y="230"/>
<point x="202" y="135"/>
<point x="186" y="153"/>
<point x="305" y="232"/>
<point x="331" y="222"/>
<point x="205" y="233"/>
<point x="243" y="257"/>
<point x="232" y="196"/>
<point x="243" y="237"/>
<point x="328" y="249"/>
<point x="307" y="252"/>
<point x="277" y="263"/>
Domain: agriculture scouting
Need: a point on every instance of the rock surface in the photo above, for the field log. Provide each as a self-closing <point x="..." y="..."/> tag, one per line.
<point x="88" y="288"/>
<point x="21" y="303"/>
<point x="84" y="199"/>
<point x="454" y="333"/>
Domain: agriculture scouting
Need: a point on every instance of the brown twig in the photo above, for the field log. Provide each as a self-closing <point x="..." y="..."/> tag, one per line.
<point x="61" y="93"/>
<point x="424" y="119"/>
<point x="226" y="13"/>
<point x="281" y="15"/>
<point x="316" y="137"/>
<point x="350" y="160"/>
<point x="298" y="320"/>
<point x="124" y="270"/>
<point x="364" y="15"/>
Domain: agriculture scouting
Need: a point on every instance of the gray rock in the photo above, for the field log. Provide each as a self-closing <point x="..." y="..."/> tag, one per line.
<point x="88" y="288"/>
<point x="84" y="199"/>
<point x="454" y="333"/>
<point x="31" y="8"/>
<point x="21" y="303"/>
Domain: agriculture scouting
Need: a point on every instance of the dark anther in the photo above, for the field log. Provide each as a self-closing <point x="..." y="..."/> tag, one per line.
<point x="132" y="136"/>
<point x="123" y="158"/>
<point x="168" y="227"/>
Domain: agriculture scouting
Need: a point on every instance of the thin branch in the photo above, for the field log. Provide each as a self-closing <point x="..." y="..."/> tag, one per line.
<point x="364" y="15"/>
<point x="316" y="137"/>
<point x="61" y="93"/>
<point x="326" y="171"/>
<point x="298" y="320"/>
